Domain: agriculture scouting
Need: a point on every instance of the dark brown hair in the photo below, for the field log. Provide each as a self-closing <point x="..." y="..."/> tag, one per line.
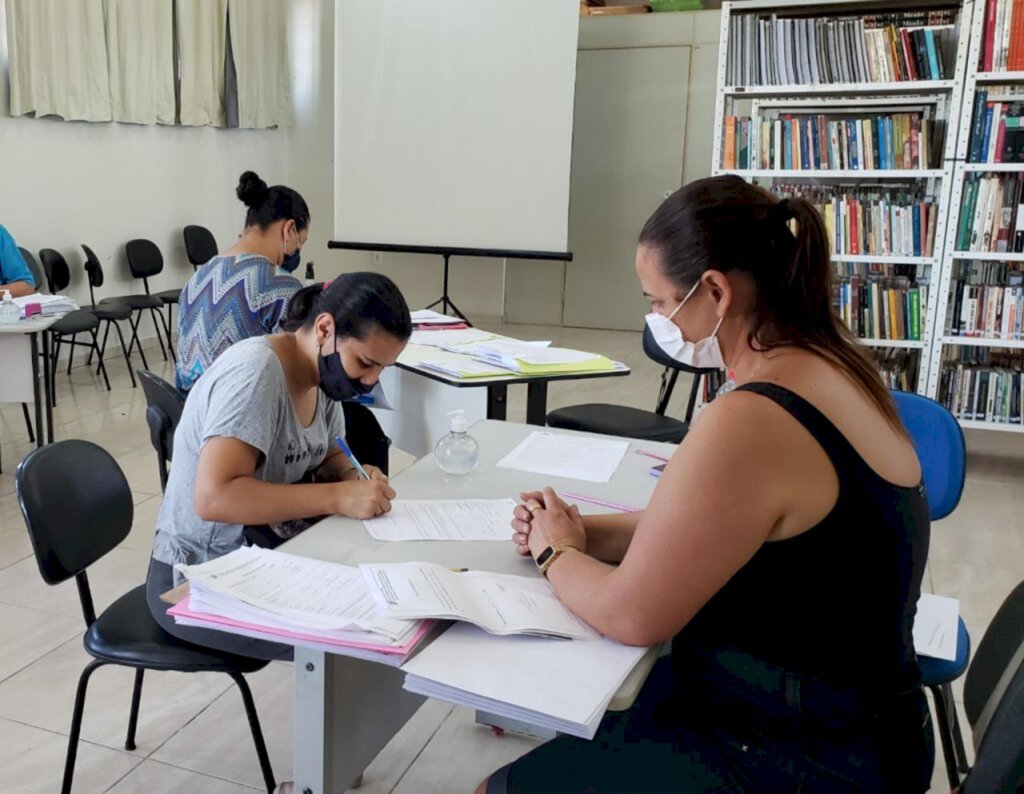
<point x="724" y="223"/>
<point x="359" y="303"/>
<point x="267" y="205"/>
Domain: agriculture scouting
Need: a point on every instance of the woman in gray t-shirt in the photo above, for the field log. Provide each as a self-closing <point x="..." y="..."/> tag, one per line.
<point x="264" y="416"/>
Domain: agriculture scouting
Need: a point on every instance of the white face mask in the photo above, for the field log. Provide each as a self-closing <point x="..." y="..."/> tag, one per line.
<point x="702" y="354"/>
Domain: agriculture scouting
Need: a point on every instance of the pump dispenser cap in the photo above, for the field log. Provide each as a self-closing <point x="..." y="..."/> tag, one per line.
<point x="459" y="423"/>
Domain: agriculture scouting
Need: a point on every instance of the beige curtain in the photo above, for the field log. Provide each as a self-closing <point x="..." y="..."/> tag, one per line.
<point x="140" y="47"/>
<point x="58" y="59"/>
<point x="259" y="46"/>
<point x="202" y="49"/>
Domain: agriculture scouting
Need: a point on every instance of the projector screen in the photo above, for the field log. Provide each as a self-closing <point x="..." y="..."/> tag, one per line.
<point x="453" y="122"/>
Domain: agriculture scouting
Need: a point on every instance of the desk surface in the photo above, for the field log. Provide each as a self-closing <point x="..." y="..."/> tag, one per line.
<point x="30" y="326"/>
<point x="345" y="540"/>
<point x="414" y="354"/>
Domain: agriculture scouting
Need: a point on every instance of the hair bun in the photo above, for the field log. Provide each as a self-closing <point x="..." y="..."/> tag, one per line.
<point x="252" y="190"/>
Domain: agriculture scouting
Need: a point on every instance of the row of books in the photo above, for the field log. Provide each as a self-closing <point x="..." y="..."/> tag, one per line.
<point x="819" y="142"/>
<point x="882" y="308"/>
<point x="882" y="221"/>
<point x="898" y="368"/>
<point x="992" y="213"/>
<point x="987" y="312"/>
<point x="1002" y="46"/>
<point x="997" y="131"/>
<point x="881" y="48"/>
<point x="983" y="385"/>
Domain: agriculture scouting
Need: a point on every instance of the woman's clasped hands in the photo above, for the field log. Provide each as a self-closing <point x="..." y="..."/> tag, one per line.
<point x="543" y="520"/>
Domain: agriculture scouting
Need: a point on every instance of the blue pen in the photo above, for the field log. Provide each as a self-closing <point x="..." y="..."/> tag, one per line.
<point x="351" y="457"/>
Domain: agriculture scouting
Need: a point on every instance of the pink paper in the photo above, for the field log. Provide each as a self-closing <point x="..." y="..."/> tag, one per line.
<point x="181" y="609"/>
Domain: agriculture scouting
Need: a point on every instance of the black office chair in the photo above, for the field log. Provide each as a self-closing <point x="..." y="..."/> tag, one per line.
<point x="164" y="405"/>
<point x="66" y="330"/>
<point x="200" y="245"/>
<point x="109" y="310"/>
<point x="144" y="262"/>
<point x="73" y="521"/>
<point x="621" y="420"/>
<point x="994" y="702"/>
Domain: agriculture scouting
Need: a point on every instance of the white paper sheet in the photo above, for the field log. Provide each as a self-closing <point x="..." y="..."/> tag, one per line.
<point x="499" y="603"/>
<point x="935" y="626"/>
<point x="564" y="686"/>
<point x="562" y="455"/>
<point x="444" y="519"/>
<point x="463" y="368"/>
<point x="430" y="317"/>
<point x="250" y="582"/>
<point x="456" y="336"/>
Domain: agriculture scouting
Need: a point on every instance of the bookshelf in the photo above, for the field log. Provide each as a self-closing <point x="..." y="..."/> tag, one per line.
<point x="978" y="349"/>
<point x="812" y="102"/>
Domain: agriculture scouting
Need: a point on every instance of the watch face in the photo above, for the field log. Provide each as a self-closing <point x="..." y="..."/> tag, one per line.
<point x="544" y="555"/>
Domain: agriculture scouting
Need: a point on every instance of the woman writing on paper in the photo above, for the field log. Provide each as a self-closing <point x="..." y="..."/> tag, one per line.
<point x="263" y="416"/>
<point x="782" y="550"/>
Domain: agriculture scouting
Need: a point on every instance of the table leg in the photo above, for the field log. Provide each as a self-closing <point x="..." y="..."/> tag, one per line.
<point x="346" y="710"/>
<point x="48" y="387"/>
<point x="497" y="401"/>
<point x="537" y="402"/>
<point x="36" y="396"/>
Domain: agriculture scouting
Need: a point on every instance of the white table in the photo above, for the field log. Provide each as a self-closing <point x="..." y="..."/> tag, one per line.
<point x="347" y="709"/>
<point x="21" y="345"/>
<point x="422" y="398"/>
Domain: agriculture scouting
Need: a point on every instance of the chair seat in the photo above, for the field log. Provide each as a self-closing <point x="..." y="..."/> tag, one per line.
<point x="76" y="322"/>
<point x="127" y="634"/>
<point x="168" y="295"/>
<point x="142" y="301"/>
<point x="936" y="672"/>
<point x="618" y="420"/>
<point x="112" y="311"/>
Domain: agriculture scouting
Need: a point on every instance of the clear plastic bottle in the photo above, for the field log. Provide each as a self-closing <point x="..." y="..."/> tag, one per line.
<point x="457" y="452"/>
<point x="9" y="311"/>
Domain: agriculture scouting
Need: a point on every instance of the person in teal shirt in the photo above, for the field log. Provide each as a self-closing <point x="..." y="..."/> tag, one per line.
<point x="14" y="273"/>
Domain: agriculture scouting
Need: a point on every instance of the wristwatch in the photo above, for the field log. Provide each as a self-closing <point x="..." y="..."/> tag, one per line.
<point x="547" y="557"/>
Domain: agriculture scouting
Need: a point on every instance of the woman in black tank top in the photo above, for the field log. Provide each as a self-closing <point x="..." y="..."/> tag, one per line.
<point x="783" y="565"/>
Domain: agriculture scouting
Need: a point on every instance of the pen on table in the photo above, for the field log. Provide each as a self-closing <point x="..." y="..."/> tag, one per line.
<point x="650" y="455"/>
<point x="348" y="454"/>
<point x="458" y="570"/>
<point x="579" y="497"/>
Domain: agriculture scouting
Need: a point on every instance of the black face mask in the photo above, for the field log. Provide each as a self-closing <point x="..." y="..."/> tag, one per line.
<point x="335" y="382"/>
<point x="291" y="262"/>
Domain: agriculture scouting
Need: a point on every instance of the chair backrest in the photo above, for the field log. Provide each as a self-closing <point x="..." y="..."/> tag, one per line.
<point x="144" y="258"/>
<point x="994" y="701"/>
<point x="58" y="274"/>
<point x="200" y="245"/>
<point x="668" y="378"/>
<point x="77" y="506"/>
<point x="33" y="266"/>
<point x="93" y="267"/>
<point x="939" y="442"/>
<point x="164" y="405"/>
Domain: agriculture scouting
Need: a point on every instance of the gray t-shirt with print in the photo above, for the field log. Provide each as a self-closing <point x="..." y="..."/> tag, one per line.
<point x="243" y="395"/>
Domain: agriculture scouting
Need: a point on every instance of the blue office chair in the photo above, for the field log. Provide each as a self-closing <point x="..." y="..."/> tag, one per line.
<point x="939" y="443"/>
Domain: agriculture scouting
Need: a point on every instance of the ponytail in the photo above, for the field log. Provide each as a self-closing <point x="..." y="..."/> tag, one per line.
<point x="360" y="303"/>
<point x="724" y="223"/>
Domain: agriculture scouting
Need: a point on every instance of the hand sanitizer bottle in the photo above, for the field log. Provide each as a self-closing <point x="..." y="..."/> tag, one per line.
<point x="10" y="313"/>
<point x="310" y="278"/>
<point x="457" y="452"/>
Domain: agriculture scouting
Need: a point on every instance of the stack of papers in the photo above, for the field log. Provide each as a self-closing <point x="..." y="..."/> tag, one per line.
<point x="284" y="598"/>
<point x="499" y="603"/>
<point x="559" y="685"/>
<point x="428" y="317"/>
<point x="449" y="336"/>
<point x="563" y="455"/>
<point x="444" y="519"/>
<point x="51" y="304"/>
<point x="530" y="358"/>
<point x="463" y="368"/>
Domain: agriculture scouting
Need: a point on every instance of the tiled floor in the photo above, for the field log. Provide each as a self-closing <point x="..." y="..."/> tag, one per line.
<point x="192" y="734"/>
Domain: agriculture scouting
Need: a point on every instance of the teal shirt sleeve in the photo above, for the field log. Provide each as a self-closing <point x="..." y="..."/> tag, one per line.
<point x="12" y="265"/>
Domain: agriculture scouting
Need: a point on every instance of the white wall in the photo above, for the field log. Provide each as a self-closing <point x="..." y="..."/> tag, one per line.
<point x="67" y="183"/>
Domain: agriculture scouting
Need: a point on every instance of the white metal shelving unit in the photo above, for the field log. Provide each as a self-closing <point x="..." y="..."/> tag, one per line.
<point x="973" y="79"/>
<point x="943" y="95"/>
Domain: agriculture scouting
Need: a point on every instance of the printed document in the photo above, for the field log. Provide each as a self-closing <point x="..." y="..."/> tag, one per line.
<point x="935" y="626"/>
<point x="563" y="455"/>
<point x="499" y="603"/>
<point x="444" y="519"/>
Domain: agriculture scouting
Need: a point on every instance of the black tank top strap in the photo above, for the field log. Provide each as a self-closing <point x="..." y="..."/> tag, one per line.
<point x="840" y="452"/>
